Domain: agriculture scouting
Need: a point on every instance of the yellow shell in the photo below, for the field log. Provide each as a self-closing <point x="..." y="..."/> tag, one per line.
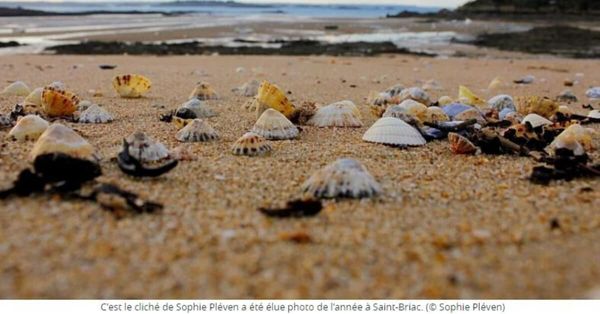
<point x="57" y="103"/>
<point x="415" y="109"/>
<point x="543" y="106"/>
<point x="466" y="96"/>
<point x="204" y="91"/>
<point x="131" y="85"/>
<point x="270" y="96"/>
<point x="60" y="139"/>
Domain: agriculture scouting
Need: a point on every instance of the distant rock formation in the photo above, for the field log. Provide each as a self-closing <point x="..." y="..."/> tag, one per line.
<point x="584" y="7"/>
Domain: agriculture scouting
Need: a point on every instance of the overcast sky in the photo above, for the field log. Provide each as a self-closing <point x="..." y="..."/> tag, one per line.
<point x="440" y="3"/>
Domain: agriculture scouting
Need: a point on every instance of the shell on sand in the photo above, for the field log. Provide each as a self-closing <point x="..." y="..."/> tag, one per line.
<point x="146" y="149"/>
<point x="415" y="93"/>
<point x="271" y="96"/>
<point x="542" y="106"/>
<point x="342" y="178"/>
<point x="501" y="102"/>
<point x="58" y="103"/>
<point x="95" y="114"/>
<point x="251" y="144"/>
<point x="199" y="107"/>
<point x="461" y="145"/>
<point x="535" y="120"/>
<point x="395" y="132"/>
<point x="340" y="114"/>
<point x="466" y="96"/>
<point x="249" y="89"/>
<point x="17" y="88"/>
<point x="28" y="128"/>
<point x="131" y="85"/>
<point x="414" y="109"/>
<point x="582" y="135"/>
<point x="595" y="114"/>
<point x="60" y="139"/>
<point x="455" y="108"/>
<point x="569" y="142"/>
<point x="204" y="91"/>
<point x="35" y="97"/>
<point x="470" y="114"/>
<point x="197" y="131"/>
<point x="273" y="125"/>
<point x="435" y="114"/>
<point x="445" y="100"/>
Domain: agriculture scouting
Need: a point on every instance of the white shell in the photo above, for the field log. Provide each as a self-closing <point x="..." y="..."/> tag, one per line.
<point x="249" y="89"/>
<point x="60" y="139"/>
<point x="392" y="131"/>
<point x="569" y="142"/>
<point x="27" y="128"/>
<point x="342" y="178"/>
<point x="199" y="107"/>
<point x="35" y="97"/>
<point x="595" y="114"/>
<point x="416" y="94"/>
<point x="273" y="125"/>
<point x="251" y="144"/>
<point x="340" y="114"/>
<point x="95" y="114"/>
<point x="197" y="131"/>
<point x="17" y="88"/>
<point x="145" y="148"/>
<point x="536" y="120"/>
<point x="501" y="102"/>
<point x="84" y="105"/>
<point x="593" y="93"/>
<point x="585" y="136"/>
<point x="566" y="110"/>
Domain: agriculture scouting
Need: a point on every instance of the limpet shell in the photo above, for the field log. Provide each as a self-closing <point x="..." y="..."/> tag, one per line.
<point x="542" y="106"/>
<point x="342" y="178"/>
<point x="395" y="132"/>
<point x="17" y="88"/>
<point x="271" y="96"/>
<point x="249" y="89"/>
<point x="57" y="103"/>
<point x="535" y="120"/>
<point x="461" y="145"/>
<point x="60" y="139"/>
<point x="251" y="144"/>
<point x="501" y="102"/>
<point x="339" y="114"/>
<point x="197" y="130"/>
<point x="204" y="91"/>
<point x="273" y="125"/>
<point x="29" y="127"/>
<point x="200" y="108"/>
<point x="95" y="114"/>
<point x="146" y="149"/>
<point x="131" y="85"/>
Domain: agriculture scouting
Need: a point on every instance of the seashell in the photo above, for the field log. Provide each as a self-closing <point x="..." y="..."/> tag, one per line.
<point x="582" y="135"/>
<point x="342" y="178"/>
<point x="569" y="142"/>
<point x="593" y="93"/>
<point x="197" y="130"/>
<point x="414" y="109"/>
<point x="470" y="114"/>
<point x="495" y="84"/>
<point x="204" y="91"/>
<point x="395" y="90"/>
<point x="131" y="85"/>
<point x="444" y="100"/>
<point x="415" y="93"/>
<point x="60" y="139"/>
<point x="251" y="144"/>
<point x="199" y="108"/>
<point x="28" y="128"/>
<point x="35" y="97"/>
<point x="543" y="106"/>
<point x="84" y="105"/>
<point x="57" y="85"/>
<point x="270" y="96"/>
<point x="535" y="120"/>
<point x="249" y="89"/>
<point x="17" y="88"/>
<point x="566" y="96"/>
<point x="527" y="79"/>
<point x="57" y="103"/>
<point x="400" y="113"/>
<point x="95" y="114"/>
<point x="145" y="149"/>
<point x="501" y="102"/>
<point x="395" y="132"/>
<point x="435" y="114"/>
<point x="273" y="125"/>
<point x="377" y="99"/>
<point x="594" y="114"/>
<point x="452" y="110"/>
<point x="466" y="96"/>
<point x="504" y="112"/>
<point x="461" y="145"/>
<point x="339" y="114"/>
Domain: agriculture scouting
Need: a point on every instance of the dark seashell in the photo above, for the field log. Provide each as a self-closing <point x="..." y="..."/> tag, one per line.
<point x="135" y="168"/>
<point x="296" y="208"/>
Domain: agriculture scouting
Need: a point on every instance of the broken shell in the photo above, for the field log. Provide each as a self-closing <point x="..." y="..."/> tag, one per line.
<point x="415" y="93"/>
<point x="535" y="120"/>
<point x="95" y="114"/>
<point x="593" y="93"/>
<point x="197" y="130"/>
<point x="582" y="135"/>
<point x="251" y="144"/>
<point x="57" y="103"/>
<point x="17" y="88"/>
<point x="198" y="107"/>
<point x="270" y="96"/>
<point x="594" y="114"/>
<point x="27" y="128"/>
<point x="204" y="91"/>
<point x="461" y="145"/>
<point x="466" y="96"/>
<point x="60" y="139"/>
<point x="339" y="114"/>
<point x="35" y="97"/>
<point x="502" y="102"/>
<point x="145" y="149"/>
<point x="273" y="125"/>
<point x="395" y="132"/>
<point x="131" y="85"/>
<point x="342" y="178"/>
<point x="543" y="106"/>
<point x="435" y="114"/>
<point x="444" y="100"/>
<point x="249" y="89"/>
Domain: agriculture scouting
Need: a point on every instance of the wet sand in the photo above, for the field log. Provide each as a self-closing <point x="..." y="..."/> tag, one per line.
<point x="446" y="226"/>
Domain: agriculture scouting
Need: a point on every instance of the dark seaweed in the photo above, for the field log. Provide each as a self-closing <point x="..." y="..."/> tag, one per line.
<point x="295" y="209"/>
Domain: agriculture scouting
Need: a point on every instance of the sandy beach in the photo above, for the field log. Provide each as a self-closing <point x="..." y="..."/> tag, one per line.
<point x="446" y="226"/>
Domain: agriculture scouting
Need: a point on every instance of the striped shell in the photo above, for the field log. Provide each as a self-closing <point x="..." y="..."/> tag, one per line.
<point x="461" y="145"/>
<point x="251" y="144"/>
<point x="95" y="114"/>
<point x="58" y="103"/>
<point x="339" y="114"/>
<point x="197" y="131"/>
<point x="28" y="128"/>
<point x="200" y="108"/>
<point x="273" y="125"/>
<point x="536" y="120"/>
<point x="17" y="88"/>
<point x="60" y="139"/>
<point x="342" y="178"/>
<point x="131" y="85"/>
<point x="395" y="132"/>
<point x="204" y="91"/>
<point x="271" y="96"/>
<point x="542" y="106"/>
<point x="145" y="148"/>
